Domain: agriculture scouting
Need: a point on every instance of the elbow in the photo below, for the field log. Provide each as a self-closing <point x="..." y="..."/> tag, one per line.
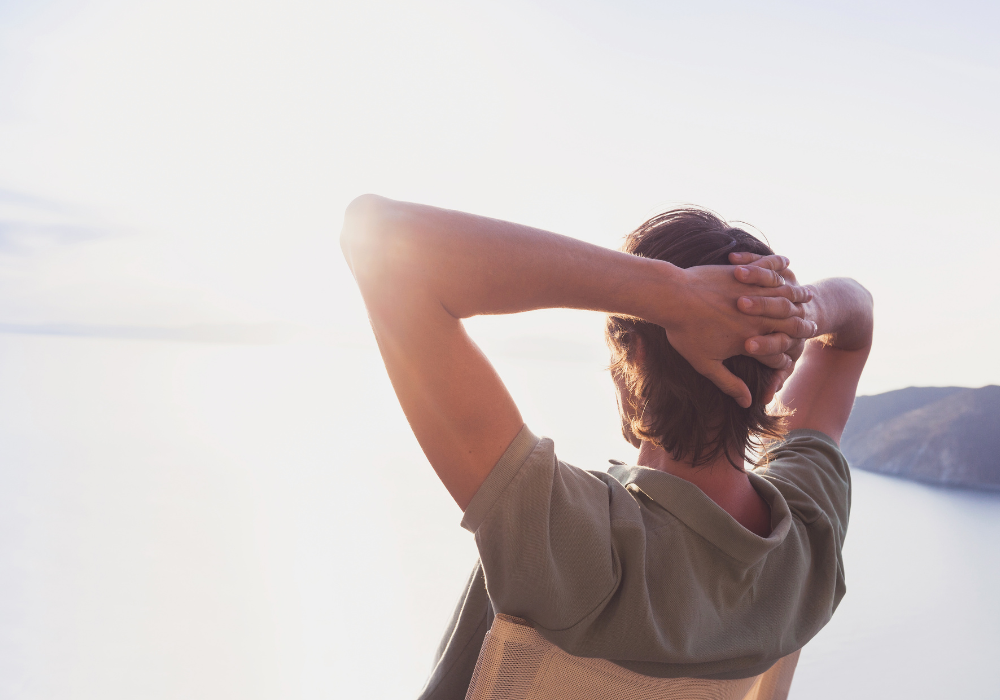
<point x="866" y="315"/>
<point x="869" y="299"/>
<point x="361" y="225"/>
<point x="364" y="238"/>
<point x="868" y="302"/>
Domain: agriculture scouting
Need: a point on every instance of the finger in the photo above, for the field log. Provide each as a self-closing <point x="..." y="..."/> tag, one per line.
<point x="771" y="307"/>
<point x="793" y="291"/>
<point x="760" y="276"/>
<point x="795" y="327"/>
<point x="795" y="352"/>
<point x="781" y="377"/>
<point x="774" y="386"/>
<point x="798" y="294"/>
<point x="771" y="391"/>
<point x="789" y="276"/>
<point x="728" y="382"/>
<point x="743" y="258"/>
<point x="772" y="262"/>
<point x="761" y="346"/>
<point x="778" y="361"/>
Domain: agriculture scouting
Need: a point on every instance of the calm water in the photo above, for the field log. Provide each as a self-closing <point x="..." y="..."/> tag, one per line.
<point x="219" y="521"/>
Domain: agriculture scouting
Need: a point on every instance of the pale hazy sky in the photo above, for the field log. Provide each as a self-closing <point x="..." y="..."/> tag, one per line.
<point x="171" y="163"/>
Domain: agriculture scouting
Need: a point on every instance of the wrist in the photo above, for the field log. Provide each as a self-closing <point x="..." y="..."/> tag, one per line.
<point x="843" y="313"/>
<point x="657" y="299"/>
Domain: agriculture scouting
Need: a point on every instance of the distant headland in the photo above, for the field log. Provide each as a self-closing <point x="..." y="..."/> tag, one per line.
<point x="948" y="436"/>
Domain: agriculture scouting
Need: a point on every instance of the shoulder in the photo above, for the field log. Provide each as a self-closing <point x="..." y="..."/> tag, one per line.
<point x="812" y="474"/>
<point x="531" y="477"/>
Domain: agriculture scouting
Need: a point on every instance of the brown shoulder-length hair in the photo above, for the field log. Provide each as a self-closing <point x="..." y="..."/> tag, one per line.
<point x="672" y="406"/>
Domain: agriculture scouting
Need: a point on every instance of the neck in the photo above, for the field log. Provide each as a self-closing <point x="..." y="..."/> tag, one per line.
<point x="729" y="488"/>
<point x="658" y="458"/>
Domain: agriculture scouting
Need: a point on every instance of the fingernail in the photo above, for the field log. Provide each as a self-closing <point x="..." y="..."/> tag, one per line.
<point x="753" y="346"/>
<point x="746" y="303"/>
<point x="742" y="271"/>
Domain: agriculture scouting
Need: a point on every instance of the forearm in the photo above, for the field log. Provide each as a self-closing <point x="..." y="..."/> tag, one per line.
<point x="821" y="390"/>
<point x="415" y="264"/>
<point x="473" y="265"/>
<point x="844" y="313"/>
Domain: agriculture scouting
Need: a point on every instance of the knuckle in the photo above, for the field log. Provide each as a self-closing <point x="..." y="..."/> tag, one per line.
<point x="769" y="361"/>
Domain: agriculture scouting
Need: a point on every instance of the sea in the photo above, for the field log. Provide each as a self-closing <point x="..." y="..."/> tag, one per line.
<point x="255" y="520"/>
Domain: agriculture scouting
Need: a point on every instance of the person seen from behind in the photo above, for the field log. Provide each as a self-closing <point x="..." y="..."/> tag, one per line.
<point x="688" y="564"/>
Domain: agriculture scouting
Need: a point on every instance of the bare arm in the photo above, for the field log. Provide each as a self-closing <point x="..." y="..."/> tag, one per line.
<point x="421" y="270"/>
<point x="822" y="388"/>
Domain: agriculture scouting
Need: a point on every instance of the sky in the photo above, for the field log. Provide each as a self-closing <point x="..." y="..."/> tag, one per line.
<point x="179" y="169"/>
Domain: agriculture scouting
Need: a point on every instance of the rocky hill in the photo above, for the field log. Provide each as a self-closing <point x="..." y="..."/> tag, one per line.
<point x="942" y="435"/>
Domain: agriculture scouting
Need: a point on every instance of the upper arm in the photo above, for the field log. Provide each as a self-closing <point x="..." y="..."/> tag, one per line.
<point x="459" y="409"/>
<point x="822" y="388"/>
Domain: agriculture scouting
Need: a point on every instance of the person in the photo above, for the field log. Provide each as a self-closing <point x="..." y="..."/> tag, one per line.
<point x="686" y="564"/>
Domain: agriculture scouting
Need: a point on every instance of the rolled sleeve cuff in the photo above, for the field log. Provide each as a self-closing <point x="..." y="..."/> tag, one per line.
<point x="809" y="432"/>
<point x="498" y="480"/>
